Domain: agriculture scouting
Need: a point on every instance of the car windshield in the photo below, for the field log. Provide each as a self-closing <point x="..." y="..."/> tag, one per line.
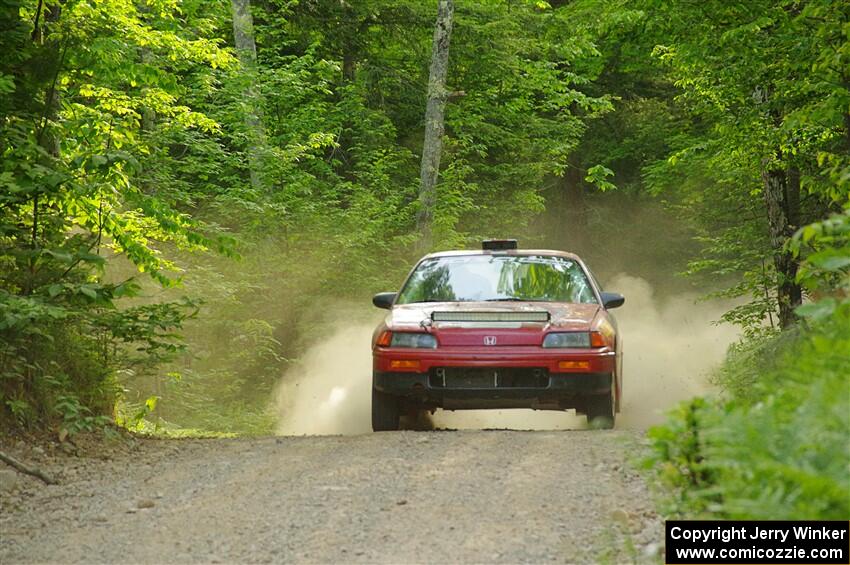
<point x="497" y="277"/>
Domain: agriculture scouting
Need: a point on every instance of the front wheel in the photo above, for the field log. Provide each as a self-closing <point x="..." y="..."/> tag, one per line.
<point x="600" y="410"/>
<point x="385" y="411"/>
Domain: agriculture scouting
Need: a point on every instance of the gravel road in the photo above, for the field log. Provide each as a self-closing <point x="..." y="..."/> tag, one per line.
<point x="464" y="496"/>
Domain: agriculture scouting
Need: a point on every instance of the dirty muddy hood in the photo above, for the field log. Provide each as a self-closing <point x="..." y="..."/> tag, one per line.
<point x="504" y="323"/>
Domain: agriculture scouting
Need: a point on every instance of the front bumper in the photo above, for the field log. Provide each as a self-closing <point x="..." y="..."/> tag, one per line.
<point x="569" y="376"/>
<point x="561" y="391"/>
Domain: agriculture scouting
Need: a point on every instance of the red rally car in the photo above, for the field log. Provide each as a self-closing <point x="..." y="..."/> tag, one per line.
<point x="497" y="328"/>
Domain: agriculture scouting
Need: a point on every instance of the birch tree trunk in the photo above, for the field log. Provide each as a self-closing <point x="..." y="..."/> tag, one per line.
<point x="434" y="121"/>
<point x="246" y="51"/>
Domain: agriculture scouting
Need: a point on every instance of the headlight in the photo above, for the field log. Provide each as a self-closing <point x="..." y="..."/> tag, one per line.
<point x="409" y="339"/>
<point x="567" y="339"/>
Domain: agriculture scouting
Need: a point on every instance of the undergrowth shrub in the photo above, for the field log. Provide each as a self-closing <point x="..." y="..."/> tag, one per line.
<point x="778" y="445"/>
<point x="59" y="357"/>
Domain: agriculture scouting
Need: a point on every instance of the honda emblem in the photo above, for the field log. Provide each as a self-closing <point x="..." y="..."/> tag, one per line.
<point x="489" y="340"/>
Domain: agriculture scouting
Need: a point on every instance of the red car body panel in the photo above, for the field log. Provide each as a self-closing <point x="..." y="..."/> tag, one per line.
<point x="597" y="362"/>
<point x="476" y="345"/>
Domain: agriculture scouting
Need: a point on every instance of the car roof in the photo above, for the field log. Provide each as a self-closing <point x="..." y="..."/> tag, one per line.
<point x="517" y="252"/>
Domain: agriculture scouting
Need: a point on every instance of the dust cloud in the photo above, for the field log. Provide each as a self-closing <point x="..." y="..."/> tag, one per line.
<point x="329" y="391"/>
<point x="670" y="346"/>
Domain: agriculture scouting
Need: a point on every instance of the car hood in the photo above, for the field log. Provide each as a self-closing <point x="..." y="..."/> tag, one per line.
<point x="562" y="316"/>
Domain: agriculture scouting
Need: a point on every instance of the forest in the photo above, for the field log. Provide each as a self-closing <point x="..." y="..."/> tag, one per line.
<point x="187" y="187"/>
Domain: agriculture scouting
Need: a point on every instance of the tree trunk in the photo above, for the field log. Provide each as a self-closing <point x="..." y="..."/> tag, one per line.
<point x="573" y="210"/>
<point x="792" y="199"/>
<point x="781" y="197"/>
<point x="434" y="121"/>
<point x="46" y="137"/>
<point x="349" y="65"/>
<point x="246" y="50"/>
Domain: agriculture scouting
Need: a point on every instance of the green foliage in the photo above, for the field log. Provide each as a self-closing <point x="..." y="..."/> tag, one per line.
<point x="342" y="87"/>
<point x="826" y="268"/>
<point x="86" y="85"/>
<point x="362" y="84"/>
<point x="766" y="84"/>
<point x="778" y="447"/>
<point x="129" y="144"/>
<point x="738" y="90"/>
<point x="76" y="417"/>
<point x="133" y="417"/>
<point x="679" y="459"/>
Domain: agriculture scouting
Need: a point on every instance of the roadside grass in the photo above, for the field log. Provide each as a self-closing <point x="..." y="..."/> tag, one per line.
<point x="776" y="444"/>
<point x="617" y="545"/>
<point x="183" y="433"/>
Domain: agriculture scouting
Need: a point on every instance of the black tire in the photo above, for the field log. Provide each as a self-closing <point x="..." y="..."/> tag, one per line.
<point x="385" y="411"/>
<point x="600" y="410"/>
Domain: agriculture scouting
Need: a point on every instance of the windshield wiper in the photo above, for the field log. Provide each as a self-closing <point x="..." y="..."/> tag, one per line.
<point x="509" y="299"/>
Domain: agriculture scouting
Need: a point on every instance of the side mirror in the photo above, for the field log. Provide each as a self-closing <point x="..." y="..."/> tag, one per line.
<point x="384" y="300"/>
<point x="612" y="300"/>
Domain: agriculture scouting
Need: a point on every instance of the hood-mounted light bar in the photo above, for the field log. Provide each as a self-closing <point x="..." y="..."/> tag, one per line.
<point x="530" y="316"/>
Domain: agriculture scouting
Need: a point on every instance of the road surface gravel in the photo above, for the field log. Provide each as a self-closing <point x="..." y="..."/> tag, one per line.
<point x="401" y="497"/>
